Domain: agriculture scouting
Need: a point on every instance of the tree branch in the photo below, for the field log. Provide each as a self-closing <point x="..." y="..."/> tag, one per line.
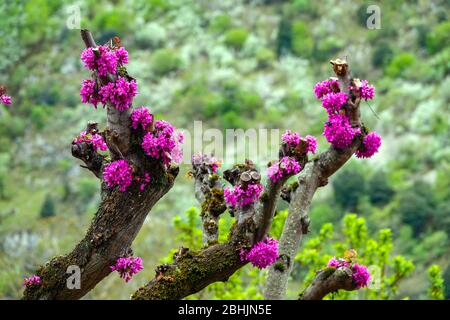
<point x="314" y="175"/>
<point x="327" y="281"/>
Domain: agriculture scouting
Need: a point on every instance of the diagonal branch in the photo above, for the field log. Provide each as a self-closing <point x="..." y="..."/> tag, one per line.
<point x="327" y="281"/>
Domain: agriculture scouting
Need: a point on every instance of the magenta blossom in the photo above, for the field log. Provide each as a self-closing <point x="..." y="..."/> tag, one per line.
<point x="360" y="275"/>
<point x="333" y="102"/>
<point x="33" y="280"/>
<point x="370" y="145"/>
<point x="118" y="173"/>
<point x="286" y="166"/>
<point x="122" y="55"/>
<point x="367" y="91"/>
<point x="338" y="131"/>
<point x="104" y="63"/>
<point x="95" y="139"/>
<point x="89" y="93"/>
<point x="242" y="195"/>
<point x="291" y="139"/>
<point x="312" y="144"/>
<point x="262" y="254"/>
<point x="163" y="143"/>
<point x="127" y="267"/>
<point x="141" y="117"/>
<point x="6" y="100"/>
<point x="120" y="94"/>
<point x="325" y="87"/>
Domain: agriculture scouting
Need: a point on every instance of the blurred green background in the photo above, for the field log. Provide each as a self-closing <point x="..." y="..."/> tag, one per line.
<point x="231" y="64"/>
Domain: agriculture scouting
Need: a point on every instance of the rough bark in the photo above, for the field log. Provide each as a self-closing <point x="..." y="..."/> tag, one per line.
<point x="314" y="175"/>
<point x="193" y="272"/>
<point x="327" y="281"/>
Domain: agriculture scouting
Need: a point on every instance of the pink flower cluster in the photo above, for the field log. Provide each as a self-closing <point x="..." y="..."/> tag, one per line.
<point x="95" y="139"/>
<point x="242" y="195"/>
<point x="293" y="139"/>
<point x="282" y="168"/>
<point x="325" y="87"/>
<point x="127" y="267"/>
<point x="333" y="102"/>
<point x="118" y="173"/>
<point x="290" y="138"/>
<point x="360" y="273"/>
<point x="120" y="94"/>
<point x="164" y="143"/>
<point x="338" y="131"/>
<point x="312" y="144"/>
<point x="366" y="90"/>
<point x="107" y="59"/>
<point x="6" y="100"/>
<point x="370" y="145"/>
<point x="33" y="280"/>
<point x="89" y="93"/>
<point x="141" y="117"/>
<point x="122" y="55"/>
<point x="262" y="254"/>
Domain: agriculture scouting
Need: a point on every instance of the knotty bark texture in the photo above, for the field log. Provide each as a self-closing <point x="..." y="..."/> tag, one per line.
<point x="314" y="175"/>
<point x="120" y="215"/>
